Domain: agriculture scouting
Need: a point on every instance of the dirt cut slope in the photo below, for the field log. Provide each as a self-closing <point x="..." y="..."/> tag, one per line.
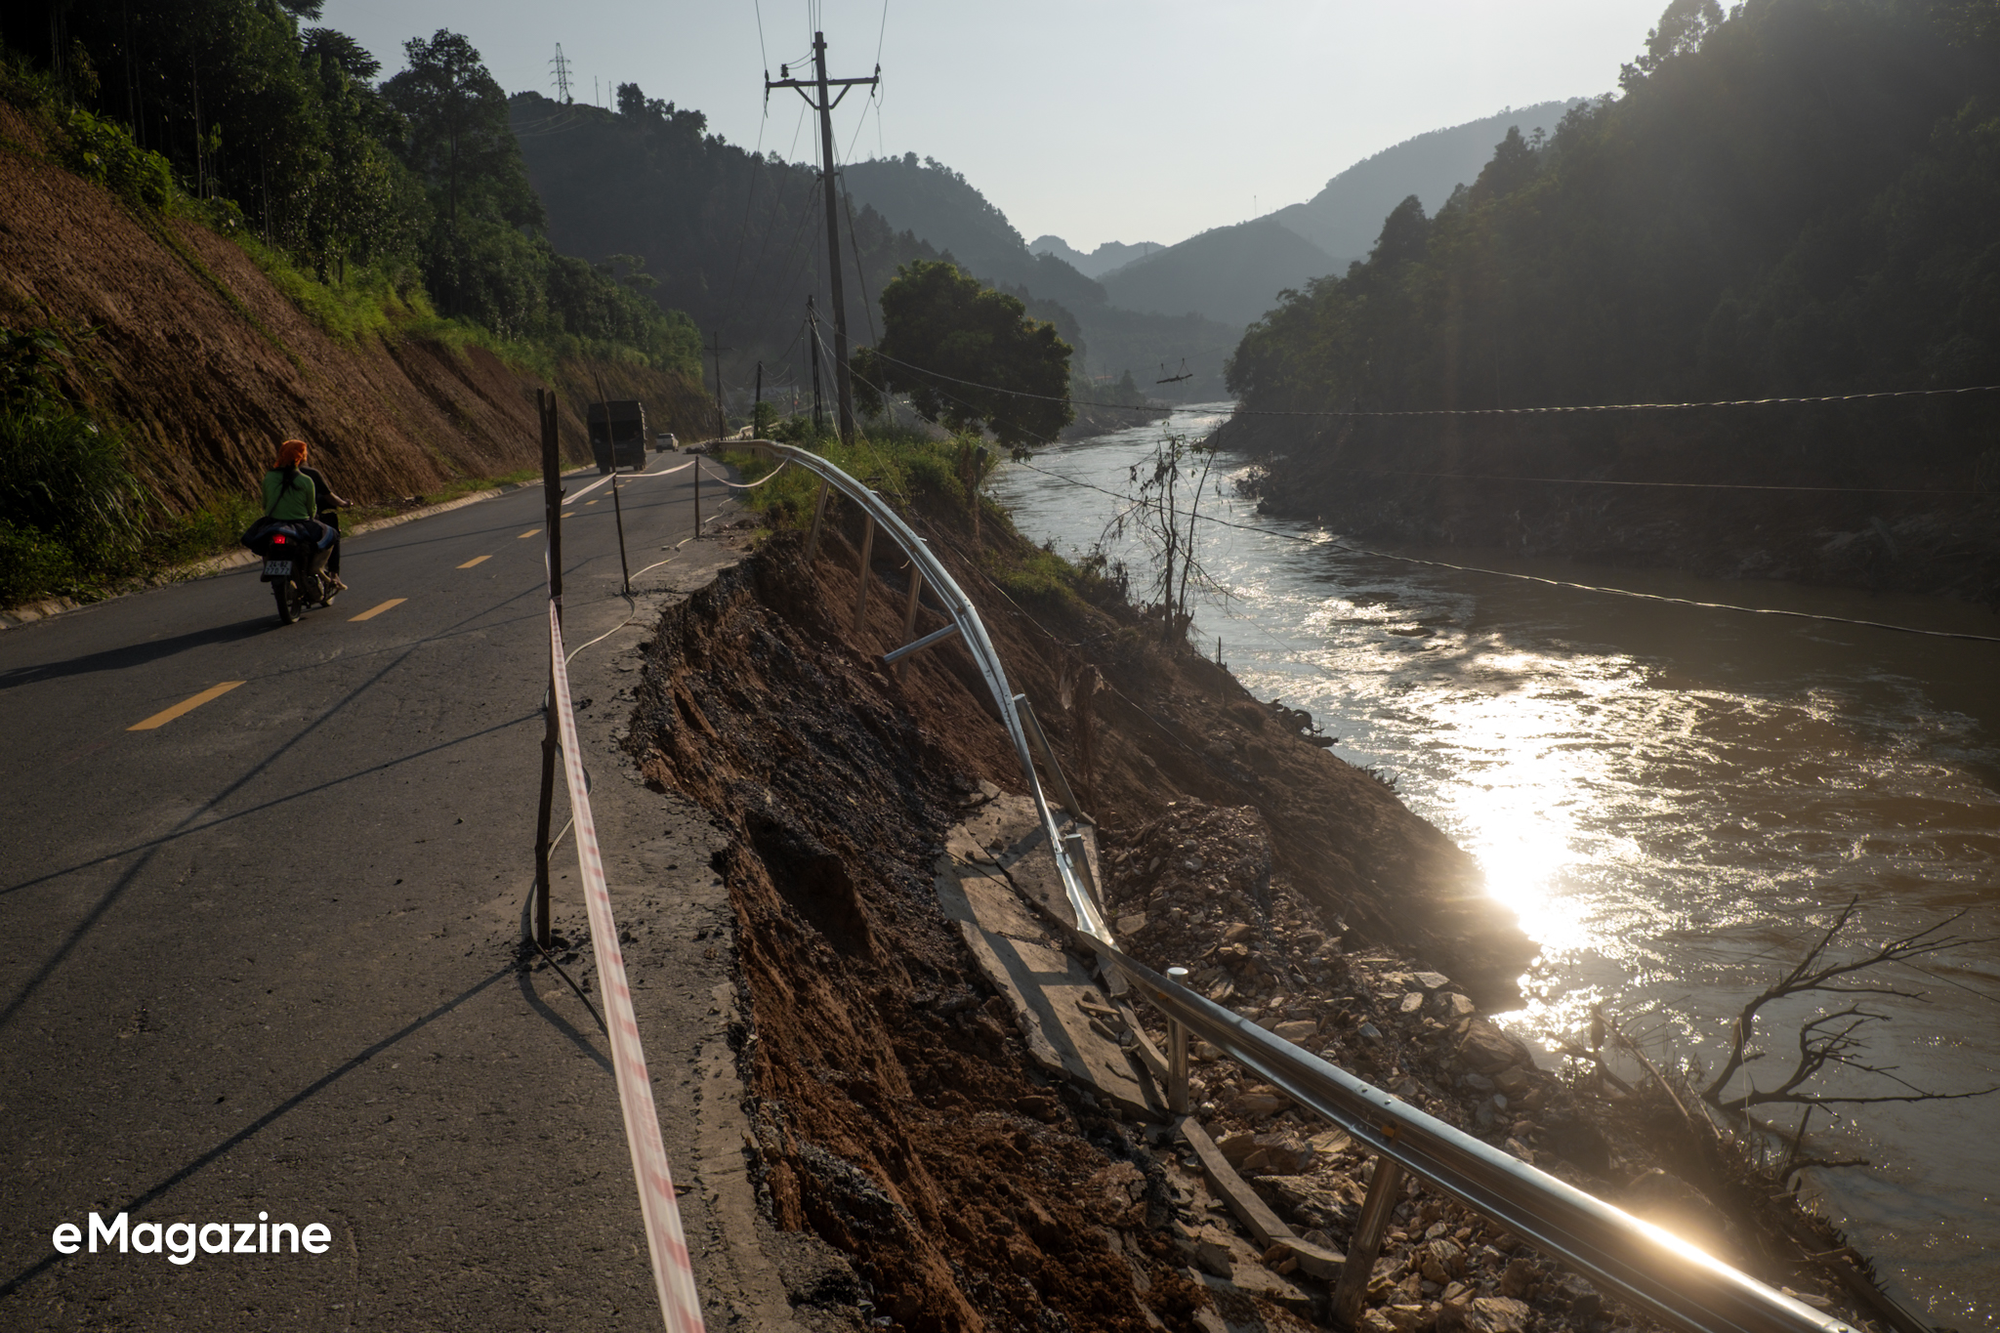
<point x="205" y="365"/>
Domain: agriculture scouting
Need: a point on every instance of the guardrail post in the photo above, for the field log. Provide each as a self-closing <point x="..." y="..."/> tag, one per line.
<point x="1177" y="1054"/>
<point x="1033" y="727"/>
<point x="910" y="609"/>
<point x="867" y="558"/>
<point x="819" y="514"/>
<point x="1366" y="1246"/>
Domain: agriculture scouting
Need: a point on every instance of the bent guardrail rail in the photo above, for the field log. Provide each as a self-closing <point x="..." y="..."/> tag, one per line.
<point x="1644" y="1264"/>
<point x="973" y="630"/>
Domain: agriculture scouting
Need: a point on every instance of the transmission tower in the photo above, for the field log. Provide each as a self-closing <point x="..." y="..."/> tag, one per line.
<point x="562" y="74"/>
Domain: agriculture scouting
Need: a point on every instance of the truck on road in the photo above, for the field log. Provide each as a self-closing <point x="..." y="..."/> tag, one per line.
<point x="618" y="435"/>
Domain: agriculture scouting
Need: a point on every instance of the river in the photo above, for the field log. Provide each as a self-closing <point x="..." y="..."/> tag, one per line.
<point x="1675" y="800"/>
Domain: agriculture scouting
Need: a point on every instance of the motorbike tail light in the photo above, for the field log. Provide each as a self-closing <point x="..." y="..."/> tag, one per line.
<point x="278" y="539"/>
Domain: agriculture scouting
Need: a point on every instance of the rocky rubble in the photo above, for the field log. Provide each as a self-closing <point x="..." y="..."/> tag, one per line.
<point x="1194" y="888"/>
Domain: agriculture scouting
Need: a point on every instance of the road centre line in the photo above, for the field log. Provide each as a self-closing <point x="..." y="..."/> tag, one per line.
<point x="185" y="706"/>
<point x="529" y="533"/>
<point x="375" y="611"/>
<point x="475" y="560"/>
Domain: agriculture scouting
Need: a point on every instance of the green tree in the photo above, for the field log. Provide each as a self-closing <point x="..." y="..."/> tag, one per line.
<point x="967" y="356"/>
<point x="458" y="138"/>
<point x="1683" y="28"/>
<point x="478" y="259"/>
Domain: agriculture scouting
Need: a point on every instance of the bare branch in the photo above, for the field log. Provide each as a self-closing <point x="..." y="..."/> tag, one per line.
<point x="1834" y="1039"/>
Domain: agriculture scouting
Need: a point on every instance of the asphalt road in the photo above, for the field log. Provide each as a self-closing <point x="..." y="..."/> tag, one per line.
<point x="261" y="956"/>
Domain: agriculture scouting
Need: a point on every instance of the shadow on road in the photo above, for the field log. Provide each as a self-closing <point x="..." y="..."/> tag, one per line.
<point x="138" y="654"/>
<point x="270" y="1117"/>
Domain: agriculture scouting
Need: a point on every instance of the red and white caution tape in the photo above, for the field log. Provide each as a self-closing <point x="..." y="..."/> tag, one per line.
<point x="673" y="1275"/>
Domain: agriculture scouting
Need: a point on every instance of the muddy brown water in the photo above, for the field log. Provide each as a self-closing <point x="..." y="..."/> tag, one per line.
<point x="1674" y="799"/>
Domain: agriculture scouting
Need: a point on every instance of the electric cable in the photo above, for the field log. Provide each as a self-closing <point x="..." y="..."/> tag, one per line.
<point x="1351" y="549"/>
<point x="1497" y="411"/>
<point x="1559" y="481"/>
<point x="1340" y="545"/>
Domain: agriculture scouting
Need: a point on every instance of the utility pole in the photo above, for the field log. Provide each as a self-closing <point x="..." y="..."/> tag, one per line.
<point x="721" y="420"/>
<point x="820" y="83"/>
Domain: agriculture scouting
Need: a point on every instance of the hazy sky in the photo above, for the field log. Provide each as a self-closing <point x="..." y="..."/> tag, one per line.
<point x="1093" y="119"/>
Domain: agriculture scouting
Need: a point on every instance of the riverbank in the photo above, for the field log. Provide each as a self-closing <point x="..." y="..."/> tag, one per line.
<point x="945" y="1180"/>
<point x="1673" y="797"/>
<point x="1800" y="501"/>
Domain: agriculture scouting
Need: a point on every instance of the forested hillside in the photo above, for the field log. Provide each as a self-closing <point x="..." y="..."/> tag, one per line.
<point x="1801" y="197"/>
<point x="739" y="241"/>
<point x="1229" y="274"/>
<point x="1342" y="218"/>
<point x="219" y="228"/>
<point x="736" y="240"/>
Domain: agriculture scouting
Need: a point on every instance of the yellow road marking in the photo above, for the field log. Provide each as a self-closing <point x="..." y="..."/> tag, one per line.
<point x="529" y="533"/>
<point x="588" y="503"/>
<point x="185" y="706"/>
<point x="475" y="560"/>
<point x="375" y="611"/>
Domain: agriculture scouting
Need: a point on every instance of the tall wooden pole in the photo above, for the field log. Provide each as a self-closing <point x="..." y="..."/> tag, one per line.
<point x="545" y="410"/>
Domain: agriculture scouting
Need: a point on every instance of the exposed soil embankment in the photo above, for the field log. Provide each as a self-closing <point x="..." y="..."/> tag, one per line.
<point x="205" y="365"/>
<point x="899" y="1115"/>
<point x="1895" y="496"/>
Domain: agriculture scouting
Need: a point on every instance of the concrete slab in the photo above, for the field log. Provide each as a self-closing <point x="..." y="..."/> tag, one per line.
<point x="1070" y="1026"/>
<point x="1005" y="837"/>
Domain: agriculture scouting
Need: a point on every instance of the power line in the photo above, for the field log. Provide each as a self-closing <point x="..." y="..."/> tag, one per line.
<point x="1552" y="481"/>
<point x="1676" y="485"/>
<point x="1508" y="411"/>
<point x="1339" y="545"/>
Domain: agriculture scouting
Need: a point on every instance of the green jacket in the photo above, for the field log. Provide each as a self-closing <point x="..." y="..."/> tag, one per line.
<point x="298" y="501"/>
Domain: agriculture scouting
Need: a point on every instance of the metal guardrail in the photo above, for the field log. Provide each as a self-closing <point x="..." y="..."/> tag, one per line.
<point x="1650" y="1267"/>
<point x="1656" y="1271"/>
<point x="973" y="630"/>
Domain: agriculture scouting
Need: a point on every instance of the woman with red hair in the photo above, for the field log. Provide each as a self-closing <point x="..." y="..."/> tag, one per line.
<point x="292" y="495"/>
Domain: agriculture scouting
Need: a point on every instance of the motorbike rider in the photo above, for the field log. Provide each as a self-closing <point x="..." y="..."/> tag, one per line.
<point x="329" y="507"/>
<point x="292" y="495"/>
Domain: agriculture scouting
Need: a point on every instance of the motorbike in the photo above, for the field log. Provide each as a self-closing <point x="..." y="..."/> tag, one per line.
<point x="294" y="566"/>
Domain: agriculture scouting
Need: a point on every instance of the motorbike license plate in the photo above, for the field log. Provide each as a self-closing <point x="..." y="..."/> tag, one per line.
<point x="278" y="569"/>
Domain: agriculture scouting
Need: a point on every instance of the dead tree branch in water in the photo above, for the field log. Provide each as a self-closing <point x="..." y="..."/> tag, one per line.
<point x="1833" y="1040"/>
